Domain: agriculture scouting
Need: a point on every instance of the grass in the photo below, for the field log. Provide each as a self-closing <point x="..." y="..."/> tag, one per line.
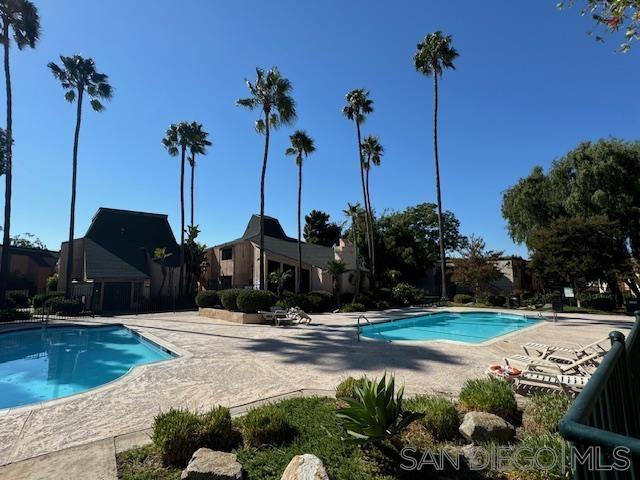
<point x="489" y="395"/>
<point x="543" y="413"/>
<point x="347" y="387"/>
<point x="144" y="463"/>
<point x="440" y="415"/>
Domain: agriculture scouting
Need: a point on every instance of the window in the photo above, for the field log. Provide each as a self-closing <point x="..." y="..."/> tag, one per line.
<point x="226" y="253"/>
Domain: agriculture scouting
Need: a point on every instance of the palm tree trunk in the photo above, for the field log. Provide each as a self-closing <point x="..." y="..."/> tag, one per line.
<point x="299" y="282"/>
<point x="355" y="246"/>
<point x="193" y="175"/>
<point x="366" y="207"/>
<point x="262" y="178"/>
<point x="443" y="260"/>
<point x="6" y="237"/>
<point x="371" y="224"/>
<point x="181" y="274"/>
<point x="74" y="176"/>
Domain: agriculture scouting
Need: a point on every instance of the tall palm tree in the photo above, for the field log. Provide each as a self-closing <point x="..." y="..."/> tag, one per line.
<point x="353" y="212"/>
<point x="161" y="256"/>
<point x="78" y="76"/>
<point x="198" y="146"/>
<point x="358" y="106"/>
<point x="434" y="55"/>
<point x="271" y="94"/>
<point x="177" y="139"/>
<point x="301" y="146"/>
<point x="336" y="268"/>
<point x="19" y="17"/>
<point x="372" y="152"/>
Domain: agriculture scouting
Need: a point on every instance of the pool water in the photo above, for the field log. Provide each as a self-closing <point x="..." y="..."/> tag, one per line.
<point x="468" y="327"/>
<point x="45" y="363"/>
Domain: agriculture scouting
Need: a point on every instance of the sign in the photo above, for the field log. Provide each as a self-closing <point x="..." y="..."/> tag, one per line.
<point x="568" y="292"/>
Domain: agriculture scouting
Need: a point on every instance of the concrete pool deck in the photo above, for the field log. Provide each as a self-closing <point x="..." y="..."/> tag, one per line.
<point x="232" y="364"/>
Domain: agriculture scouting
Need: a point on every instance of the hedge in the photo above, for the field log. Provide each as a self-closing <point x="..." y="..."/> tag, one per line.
<point x="252" y="301"/>
<point x="40" y="299"/>
<point x="229" y="298"/>
<point x="463" y="298"/>
<point x="208" y="298"/>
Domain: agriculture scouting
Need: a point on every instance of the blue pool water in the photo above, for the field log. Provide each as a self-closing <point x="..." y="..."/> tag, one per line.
<point x="468" y="327"/>
<point x="51" y="362"/>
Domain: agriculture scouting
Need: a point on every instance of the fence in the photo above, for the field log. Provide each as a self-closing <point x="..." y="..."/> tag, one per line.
<point x="606" y="414"/>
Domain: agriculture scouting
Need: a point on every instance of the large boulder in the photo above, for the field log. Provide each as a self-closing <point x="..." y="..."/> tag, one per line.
<point x="207" y="464"/>
<point x="479" y="427"/>
<point x="305" y="467"/>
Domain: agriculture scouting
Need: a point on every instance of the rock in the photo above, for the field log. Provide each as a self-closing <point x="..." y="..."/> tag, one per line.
<point x="480" y="427"/>
<point x="305" y="467"/>
<point x="206" y="464"/>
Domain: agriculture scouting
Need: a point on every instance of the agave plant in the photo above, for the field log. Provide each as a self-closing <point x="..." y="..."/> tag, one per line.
<point x="376" y="413"/>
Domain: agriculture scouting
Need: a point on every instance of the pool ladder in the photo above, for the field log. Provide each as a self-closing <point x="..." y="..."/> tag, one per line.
<point x="362" y="316"/>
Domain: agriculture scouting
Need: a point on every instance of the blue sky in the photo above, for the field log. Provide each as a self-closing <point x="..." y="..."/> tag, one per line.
<point x="529" y="85"/>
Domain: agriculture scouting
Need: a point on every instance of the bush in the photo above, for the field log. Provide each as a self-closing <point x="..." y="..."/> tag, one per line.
<point x="11" y="315"/>
<point x="496" y="300"/>
<point x="207" y="298"/>
<point x="52" y="283"/>
<point x="605" y="303"/>
<point x="347" y="387"/>
<point x="320" y="301"/>
<point x="64" y="306"/>
<point x="229" y="298"/>
<point x="252" y="301"/>
<point x="552" y="458"/>
<point x="20" y="299"/>
<point x="382" y="305"/>
<point x="463" y="298"/>
<point x="178" y="433"/>
<point x="353" y="307"/>
<point x="267" y="425"/>
<point x="293" y="300"/>
<point x="405" y="294"/>
<point x="41" y="299"/>
<point x="543" y="413"/>
<point x="490" y="395"/>
<point x="440" y="415"/>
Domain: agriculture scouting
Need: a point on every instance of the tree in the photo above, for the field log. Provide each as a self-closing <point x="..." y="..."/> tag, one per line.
<point x="196" y="261"/>
<point x="358" y="106"/>
<point x="301" y="146"/>
<point x="614" y="15"/>
<point x="354" y="212"/>
<point x="271" y="94"/>
<point x="78" y="76"/>
<point x="161" y="256"/>
<point x="197" y="146"/>
<point x="19" y="17"/>
<point x="279" y="278"/>
<point x="28" y="240"/>
<point x="177" y="139"/>
<point x="477" y="268"/>
<point x="336" y="268"/>
<point x="319" y="231"/>
<point x="372" y="152"/>
<point x="434" y="55"/>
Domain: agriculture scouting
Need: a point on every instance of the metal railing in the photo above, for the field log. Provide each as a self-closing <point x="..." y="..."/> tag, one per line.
<point x="606" y="414"/>
<point x="362" y="316"/>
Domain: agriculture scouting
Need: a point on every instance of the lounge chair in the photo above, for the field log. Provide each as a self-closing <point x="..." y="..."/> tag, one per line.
<point x="581" y="366"/>
<point x="275" y="315"/>
<point x="538" y="379"/>
<point x="543" y="350"/>
<point x="301" y="314"/>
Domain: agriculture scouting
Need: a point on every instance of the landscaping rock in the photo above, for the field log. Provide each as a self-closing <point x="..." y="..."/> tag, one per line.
<point x="480" y="427"/>
<point x="305" y="467"/>
<point x="206" y="464"/>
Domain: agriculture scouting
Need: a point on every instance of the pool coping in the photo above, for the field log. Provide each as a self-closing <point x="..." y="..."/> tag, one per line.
<point x="134" y="372"/>
<point x="540" y="320"/>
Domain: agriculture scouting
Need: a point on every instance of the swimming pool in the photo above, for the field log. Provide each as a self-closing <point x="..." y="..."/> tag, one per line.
<point x="40" y="364"/>
<point x="467" y="327"/>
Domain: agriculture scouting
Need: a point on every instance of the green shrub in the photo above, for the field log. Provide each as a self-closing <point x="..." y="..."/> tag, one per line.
<point x="52" y="283"/>
<point x="40" y="299"/>
<point x="552" y="458"/>
<point x="176" y="435"/>
<point x="382" y="305"/>
<point x="207" y="299"/>
<point x="229" y="298"/>
<point x="405" y="294"/>
<point x="293" y="300"/>
<point x="353" y="307"/>
<point x="320" y="301"/>
<point x="347" y="387"/>
<point x="266" y="425"/>
<point x="20" y="299"/>
<point x="216" y="429"/>
<point x="490" y="395"/>
<point x="496" y="300"/>
<point x="252" y="301"/>
<point x="602" y="302"/>
<point x="440" y="415"/>
<point x="11" y="315"/>
<point x="543" y="413"/>
<point x="64" y="306"/>
<point x="463" y="298"/>
<point x="377" y="413"/>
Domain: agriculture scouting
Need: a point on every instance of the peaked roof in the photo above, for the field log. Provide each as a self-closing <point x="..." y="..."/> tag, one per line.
<point x="118" y="241"/>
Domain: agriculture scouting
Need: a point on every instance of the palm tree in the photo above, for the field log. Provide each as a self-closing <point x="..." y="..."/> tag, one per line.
<point x="198" y="146"/>
<point x="353" y="211"/>
<point x="434" y="55"/>
<point x="301" y="146"/>
<point x="358" y="106"/>
<point x="161" y="255"/>
<point x="372" y="152"/>
<point x="177" y="139"/>
<point x="279" y="278"/>
<point x="78" y="75"/>
<point x="335" y="268"/>
<point x="271" y="94"/>
<point x="21" y="18"/>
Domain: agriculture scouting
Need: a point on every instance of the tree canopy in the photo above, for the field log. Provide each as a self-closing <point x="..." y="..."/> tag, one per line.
<point x="319" y="230"/>
<point x="477" y="267"/>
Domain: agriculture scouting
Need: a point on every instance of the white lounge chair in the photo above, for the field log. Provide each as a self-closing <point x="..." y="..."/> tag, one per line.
<point x="538" y="379"/>
<point x="301" y="314"/>
<point x="275" y="315"/>
<point x="543" y="350"/>
<point x="582" y="366"/>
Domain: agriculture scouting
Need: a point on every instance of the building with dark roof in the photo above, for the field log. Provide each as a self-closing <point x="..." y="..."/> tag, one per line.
<point x="236" y="263"/>
<point x="30" y="268"/>
<point x="115" y="258"/>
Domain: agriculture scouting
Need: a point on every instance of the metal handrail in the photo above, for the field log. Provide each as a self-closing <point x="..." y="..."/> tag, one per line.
<point x="370" y="324"/>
